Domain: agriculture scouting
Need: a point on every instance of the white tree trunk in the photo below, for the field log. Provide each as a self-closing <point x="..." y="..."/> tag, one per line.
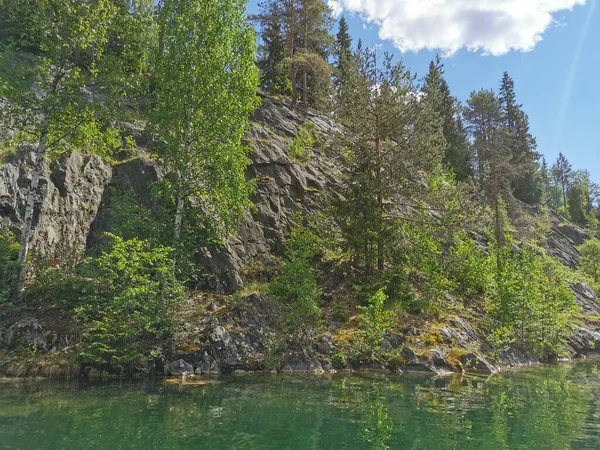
<point x="30" y="206"/>
<point x="178" y="222"/>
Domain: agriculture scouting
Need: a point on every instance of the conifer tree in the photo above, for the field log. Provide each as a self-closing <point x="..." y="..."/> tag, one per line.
<point x="562" y="171"/>
<point x="394" y="135"/>
<point x="304" y="25"/>
<point x="493" y="156"/>
<point x="343" y="51"/>
<point x="457" y="153"/>
<point x="525" y="184"/>
<point x="272" y="51"/>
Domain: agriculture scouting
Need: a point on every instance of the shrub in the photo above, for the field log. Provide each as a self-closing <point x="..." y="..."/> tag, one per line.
<point x="9" y="267"/>
<point x="470" y="267"/>
<point x="129" y="310"/>
<point x="296" y="288"/>
<point x="590" y="260"/>
<point x="339" y="361"/>
<point x="531" y="306"/>
<point x="374" y="322"/>
<point x="303" y="142"/>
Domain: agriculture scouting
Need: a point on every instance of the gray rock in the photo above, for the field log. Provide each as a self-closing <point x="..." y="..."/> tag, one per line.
<point x="439" y="360"/>
<point x="586" y="299"/>
<point x="302" y="361"/>
<point x="473" y="362"/>
<point x="224" y="350"/>
<point x="28" y="332"/>
<point x="324" y="344"/>
<point x="563" y="239"/>
<point x="66" y="204"/>
<point x="181" y="368"/>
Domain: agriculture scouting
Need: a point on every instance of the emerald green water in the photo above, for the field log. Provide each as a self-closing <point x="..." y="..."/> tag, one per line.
<point x="542" y="408"/>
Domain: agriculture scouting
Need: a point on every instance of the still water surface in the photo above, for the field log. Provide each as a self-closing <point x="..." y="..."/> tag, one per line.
<point x="542" y="408"/>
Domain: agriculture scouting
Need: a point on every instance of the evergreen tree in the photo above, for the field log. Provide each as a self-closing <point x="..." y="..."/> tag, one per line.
<point x="457" y="153"/>
<point x="205" y="91"/>
<point x="525" y="183"/>
<point x="343" y="51"/>
<point x="493" y="157"/>
<point x="581" y="198"/>
<point x="272" y="52"/>
<point x="562" y="171"/>
<point x="304" y="25"/>
<point x="394" y="135"/>
<point x="550" y="193"/>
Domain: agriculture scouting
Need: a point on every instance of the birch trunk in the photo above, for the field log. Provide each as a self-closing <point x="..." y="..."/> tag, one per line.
<point x="30" y="206"/>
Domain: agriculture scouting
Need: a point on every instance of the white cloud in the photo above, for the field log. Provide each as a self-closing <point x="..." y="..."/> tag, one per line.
<point x="491" y="26"/>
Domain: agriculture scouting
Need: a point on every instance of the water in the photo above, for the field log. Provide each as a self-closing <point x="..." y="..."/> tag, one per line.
<point x="542" y="408"/>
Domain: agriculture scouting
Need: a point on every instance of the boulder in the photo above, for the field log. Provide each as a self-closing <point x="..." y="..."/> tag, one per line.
<point x="28" y="332"/>
<point x="224" y="350"/>
<point x="181" y="368"/>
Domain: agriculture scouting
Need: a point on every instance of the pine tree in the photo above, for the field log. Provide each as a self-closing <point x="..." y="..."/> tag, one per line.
<point x="581" y="197"/>
<point x="304" y="26"/>
<point x="493" y="157"/>
<point x="272" y="51"/>
<point x="343" y="51"/>
<point x="525" y="184"/>
<point x="457" y="153"/>
<point x="394" y="135"/>
<point x="562" y="171"/>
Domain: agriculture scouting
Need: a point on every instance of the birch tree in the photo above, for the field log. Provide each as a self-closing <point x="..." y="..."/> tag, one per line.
<point x="205" y="90"/>
<point x="46" y="64"/>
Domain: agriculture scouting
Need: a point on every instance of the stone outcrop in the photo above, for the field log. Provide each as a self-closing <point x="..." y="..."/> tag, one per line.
<point x="563" y="240"/>
<point x="66" y="205"/>
<point x="283" y="189"/>
<point x="75" y="207"/>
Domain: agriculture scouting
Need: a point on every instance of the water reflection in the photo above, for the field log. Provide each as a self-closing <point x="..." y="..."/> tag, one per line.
<point x="554" y="408"/>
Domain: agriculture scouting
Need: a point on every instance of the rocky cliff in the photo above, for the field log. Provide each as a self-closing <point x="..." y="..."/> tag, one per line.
<point x="225" y="330"/>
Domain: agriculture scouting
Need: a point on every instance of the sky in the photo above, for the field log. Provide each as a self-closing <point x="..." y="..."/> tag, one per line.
<point x="551" y="48"/>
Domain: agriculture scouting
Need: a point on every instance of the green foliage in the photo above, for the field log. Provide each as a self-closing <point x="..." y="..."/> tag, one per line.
<point x="531" y="306"/>
<point x="339" y="361"/>
<point x="303" y="142"/>
<point x="375" y="320"/>
<point x="590" y="261"/>
<point x="9" y="267"/>
<point x="205" y="90"/>
<point x="296" y="286"/>
<point x="127" y="310"/>
<point x="470" y="267"/>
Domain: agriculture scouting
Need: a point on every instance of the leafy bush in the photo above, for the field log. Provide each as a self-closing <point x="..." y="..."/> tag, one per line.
<point x="303" y="142"/>
<point x="590" y="261"/>
<point x="470" y="267"/>
<point x="296" y="286"/>
<point x="418" y="260"/>
<point x="531" y="306"/>
<point x="128" y="309"/>
<point x="374" y="322"/>
<point x="9" y="267"/>
<point x="339" y="361"/>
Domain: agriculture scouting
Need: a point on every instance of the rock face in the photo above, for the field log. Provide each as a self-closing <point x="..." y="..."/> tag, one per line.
<point x="563" y="239"/>
<point x="284" y="189"/>
<point x="28" y="332"/>
<point x="75" y="207"/>
<point x="66" y="205"/>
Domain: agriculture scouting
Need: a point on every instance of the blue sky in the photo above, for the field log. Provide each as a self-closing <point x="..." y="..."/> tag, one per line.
<point x="551" y="48"/>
